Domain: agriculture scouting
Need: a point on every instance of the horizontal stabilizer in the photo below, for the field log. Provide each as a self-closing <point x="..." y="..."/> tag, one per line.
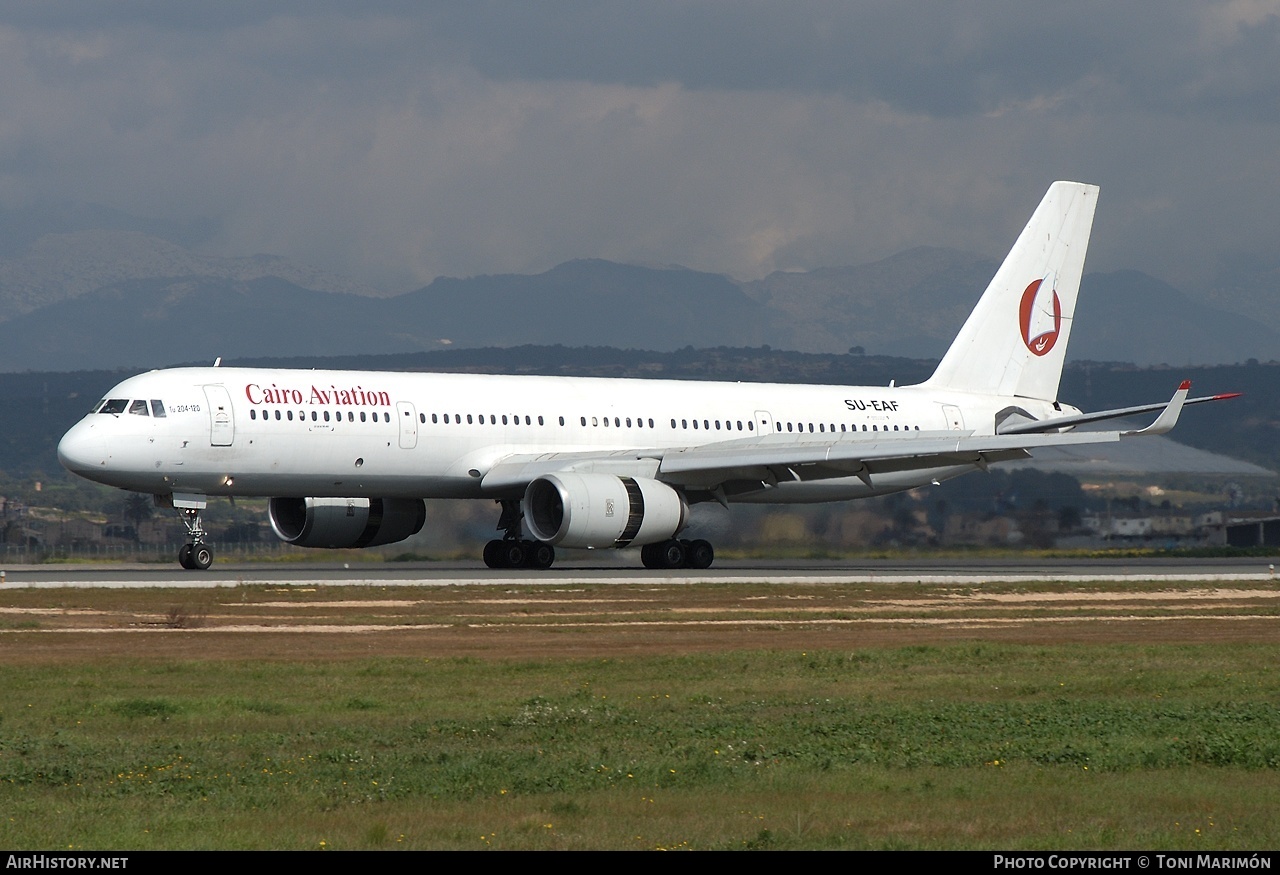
<point x="1041" y="426"/>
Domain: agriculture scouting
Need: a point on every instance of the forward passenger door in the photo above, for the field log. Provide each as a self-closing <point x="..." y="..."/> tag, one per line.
<point x="222" y="421"/>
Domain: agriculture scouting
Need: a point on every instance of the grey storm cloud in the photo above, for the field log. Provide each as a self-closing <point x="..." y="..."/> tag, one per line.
<point x="395" y="142"/>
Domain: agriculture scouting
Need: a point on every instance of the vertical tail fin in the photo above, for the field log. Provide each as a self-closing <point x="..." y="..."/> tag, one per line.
<point x="1015" y="340"/>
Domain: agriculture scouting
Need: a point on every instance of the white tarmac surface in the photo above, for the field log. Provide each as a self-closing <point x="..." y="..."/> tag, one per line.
<point x="367" y="574"/>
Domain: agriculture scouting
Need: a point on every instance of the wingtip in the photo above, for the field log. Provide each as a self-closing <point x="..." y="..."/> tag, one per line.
<point x="1186" y="384"/>
<point x="1227" y="395"/>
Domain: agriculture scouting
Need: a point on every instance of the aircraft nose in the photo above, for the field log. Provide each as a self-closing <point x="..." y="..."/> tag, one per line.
<point x="82" y="450"/>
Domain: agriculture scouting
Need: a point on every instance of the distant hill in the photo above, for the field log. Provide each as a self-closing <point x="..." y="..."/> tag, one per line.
<point x="583" y="302"/>
<point x="1249" y="285"/>
<point x="911" y="304"/>
<point x="122" y="298"/>
<point x="156" y="322"/>
<point x="152" y="323"/>
<point x="59" y="266"/>
<point x="1131" y="316"/>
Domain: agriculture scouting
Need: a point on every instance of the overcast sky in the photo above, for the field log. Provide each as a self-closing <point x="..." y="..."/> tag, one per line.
<point x="396" y="142"/>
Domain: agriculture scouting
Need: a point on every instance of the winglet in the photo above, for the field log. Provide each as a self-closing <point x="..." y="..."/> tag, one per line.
<point x="1168" y="417"/>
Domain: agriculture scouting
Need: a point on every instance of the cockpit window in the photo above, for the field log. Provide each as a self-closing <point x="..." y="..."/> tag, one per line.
<point x="114" y="405"/>
<point x="157" y="408"/>
<point x="139" y="407"/>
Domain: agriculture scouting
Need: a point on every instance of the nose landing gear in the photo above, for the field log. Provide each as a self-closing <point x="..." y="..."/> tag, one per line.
<point x="195" y="555"/>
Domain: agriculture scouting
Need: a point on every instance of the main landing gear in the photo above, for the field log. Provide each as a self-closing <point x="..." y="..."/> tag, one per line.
<point x="512" y="551"/>
<point x="678" y="554"/>
<point x="195" y="555"/>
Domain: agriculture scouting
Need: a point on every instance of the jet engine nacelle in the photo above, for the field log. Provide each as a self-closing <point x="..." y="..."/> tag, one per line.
<point x="346" y="522"/>
<point x="601" y="510"/>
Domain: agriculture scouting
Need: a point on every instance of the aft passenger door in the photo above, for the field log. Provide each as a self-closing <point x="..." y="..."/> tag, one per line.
<point x="222" y="421"/>
<point x="955" y="419"/>
<point x="408" y="425"/>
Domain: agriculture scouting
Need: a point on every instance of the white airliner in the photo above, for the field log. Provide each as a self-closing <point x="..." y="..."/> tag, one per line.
<point x="347" y="457"/>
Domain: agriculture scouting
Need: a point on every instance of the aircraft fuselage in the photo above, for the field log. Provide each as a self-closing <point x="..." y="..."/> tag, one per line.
<point x="252" y="432"/>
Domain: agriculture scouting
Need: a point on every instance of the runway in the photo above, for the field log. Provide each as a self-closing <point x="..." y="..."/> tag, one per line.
<point x="780" y="572"/>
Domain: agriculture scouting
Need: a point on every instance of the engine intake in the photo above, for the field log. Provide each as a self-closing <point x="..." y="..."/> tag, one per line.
<point x="346" y="522"/>
<point x="601" y="510"/>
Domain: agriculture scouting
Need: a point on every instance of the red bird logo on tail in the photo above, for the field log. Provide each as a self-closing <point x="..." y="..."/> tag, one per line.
<point x="1040" y="316"/>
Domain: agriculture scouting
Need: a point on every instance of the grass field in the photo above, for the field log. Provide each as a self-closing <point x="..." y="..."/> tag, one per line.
<point x="641" y="717"/>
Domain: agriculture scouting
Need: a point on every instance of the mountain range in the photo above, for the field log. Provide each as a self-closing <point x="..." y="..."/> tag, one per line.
<point x="118" y="296"/>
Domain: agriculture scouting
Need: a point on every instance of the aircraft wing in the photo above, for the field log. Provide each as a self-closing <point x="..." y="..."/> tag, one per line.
<point x="772" y="462"/>
<point x="775" y="458"/>
<point x="778" y="458"/>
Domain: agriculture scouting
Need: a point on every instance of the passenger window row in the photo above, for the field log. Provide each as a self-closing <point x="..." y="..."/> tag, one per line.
<point x="316" y="416"/>
<point x="822" y="427"/>
<point x="617" y="422"/>
<point x="641" y="422"/>
<point x="479" y="418"/>
<point x="707" y="424"/>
